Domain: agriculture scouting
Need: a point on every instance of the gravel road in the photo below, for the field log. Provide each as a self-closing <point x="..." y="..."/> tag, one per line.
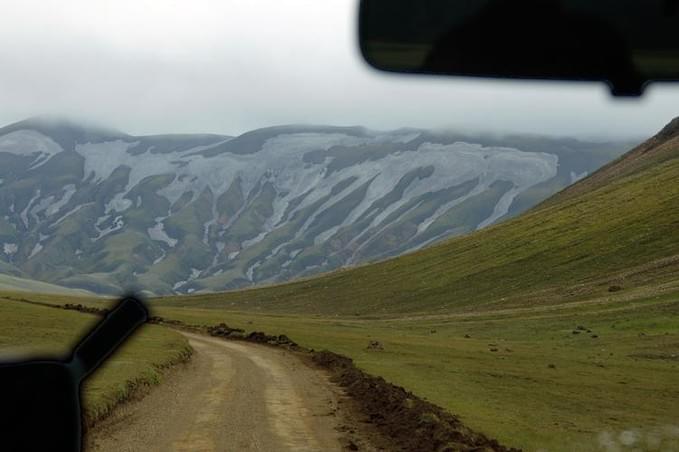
<point x="231" y="396"/>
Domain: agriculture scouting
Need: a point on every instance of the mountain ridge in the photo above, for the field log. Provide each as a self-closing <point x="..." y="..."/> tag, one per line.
<point x="656" y="149"/>
<point x="98" y="209"/>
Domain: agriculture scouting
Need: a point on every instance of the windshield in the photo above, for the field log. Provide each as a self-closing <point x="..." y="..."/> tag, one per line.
<point x="486" y="263"/>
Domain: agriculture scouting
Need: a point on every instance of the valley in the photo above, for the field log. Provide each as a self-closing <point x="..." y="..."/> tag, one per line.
<point x="543" y="331"/>
<point x="556" y="329"/>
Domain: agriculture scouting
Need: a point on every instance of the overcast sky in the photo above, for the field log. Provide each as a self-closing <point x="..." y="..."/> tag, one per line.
<point x="228" y="66"/>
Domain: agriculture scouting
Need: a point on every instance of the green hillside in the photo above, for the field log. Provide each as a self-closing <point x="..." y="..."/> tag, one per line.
<point x="616" y="230"/>
<point x="10" y="283"/>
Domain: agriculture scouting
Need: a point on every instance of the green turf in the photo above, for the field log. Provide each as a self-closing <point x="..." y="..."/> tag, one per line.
<point x="621" y="381"/>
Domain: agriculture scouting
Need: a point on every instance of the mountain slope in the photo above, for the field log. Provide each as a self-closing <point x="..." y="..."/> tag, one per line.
<point x="616" y="231"/>
<point x="9" y="283"/>
<point x="655" y="151"/>
<point x="86" y="207"/>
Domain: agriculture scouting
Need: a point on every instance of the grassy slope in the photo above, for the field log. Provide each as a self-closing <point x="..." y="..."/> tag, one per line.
<point x="29" y="330"/>
<point x="14" y="283"/>
<point x="521" y="288"/>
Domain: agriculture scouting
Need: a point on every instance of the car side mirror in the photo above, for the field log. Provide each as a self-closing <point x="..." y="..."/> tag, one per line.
<point x="40" y="408"/>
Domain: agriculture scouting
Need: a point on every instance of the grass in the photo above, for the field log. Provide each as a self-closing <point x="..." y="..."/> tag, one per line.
<point x="14" y="283"/>
<point x="622" y="380"/>
<point x="28" y="330"/>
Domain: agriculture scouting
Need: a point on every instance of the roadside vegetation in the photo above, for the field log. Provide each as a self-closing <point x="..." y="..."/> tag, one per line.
<point x="558" y="377"/>
<point x="563" y="378"/>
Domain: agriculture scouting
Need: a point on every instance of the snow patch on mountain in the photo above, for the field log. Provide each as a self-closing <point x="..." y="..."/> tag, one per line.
<point x="36" y="249"/>
<point x="117" y="224"/>
<point x="29" y="143"/>
<point x="576" y="177"/>
<point x="55" y="207"/>
<point x="157" y="233"/>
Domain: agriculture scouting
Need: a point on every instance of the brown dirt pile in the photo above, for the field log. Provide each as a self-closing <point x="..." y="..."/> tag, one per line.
<point x="411" y="423"/>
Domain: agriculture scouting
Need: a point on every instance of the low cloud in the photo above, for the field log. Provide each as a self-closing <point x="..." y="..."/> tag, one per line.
<point x="230" y="66"/>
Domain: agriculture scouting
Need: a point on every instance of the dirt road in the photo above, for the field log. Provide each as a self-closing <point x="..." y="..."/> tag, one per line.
<point x="232" y="396"/>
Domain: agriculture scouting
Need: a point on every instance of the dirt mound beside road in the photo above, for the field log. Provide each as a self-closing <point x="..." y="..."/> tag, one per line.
<point x="411" y="423"/>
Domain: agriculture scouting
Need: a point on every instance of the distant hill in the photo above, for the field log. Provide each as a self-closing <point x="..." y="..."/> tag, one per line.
<point x="97" y="209"/>
<point x="9" y="283"/>
<point x="615" y="232"/>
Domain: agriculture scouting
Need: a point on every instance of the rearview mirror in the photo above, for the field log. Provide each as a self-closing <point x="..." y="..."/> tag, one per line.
<point x="625" y="43"/>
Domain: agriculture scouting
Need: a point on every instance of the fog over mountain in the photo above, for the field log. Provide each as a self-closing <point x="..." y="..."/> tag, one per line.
<point x="101" y="210"/>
